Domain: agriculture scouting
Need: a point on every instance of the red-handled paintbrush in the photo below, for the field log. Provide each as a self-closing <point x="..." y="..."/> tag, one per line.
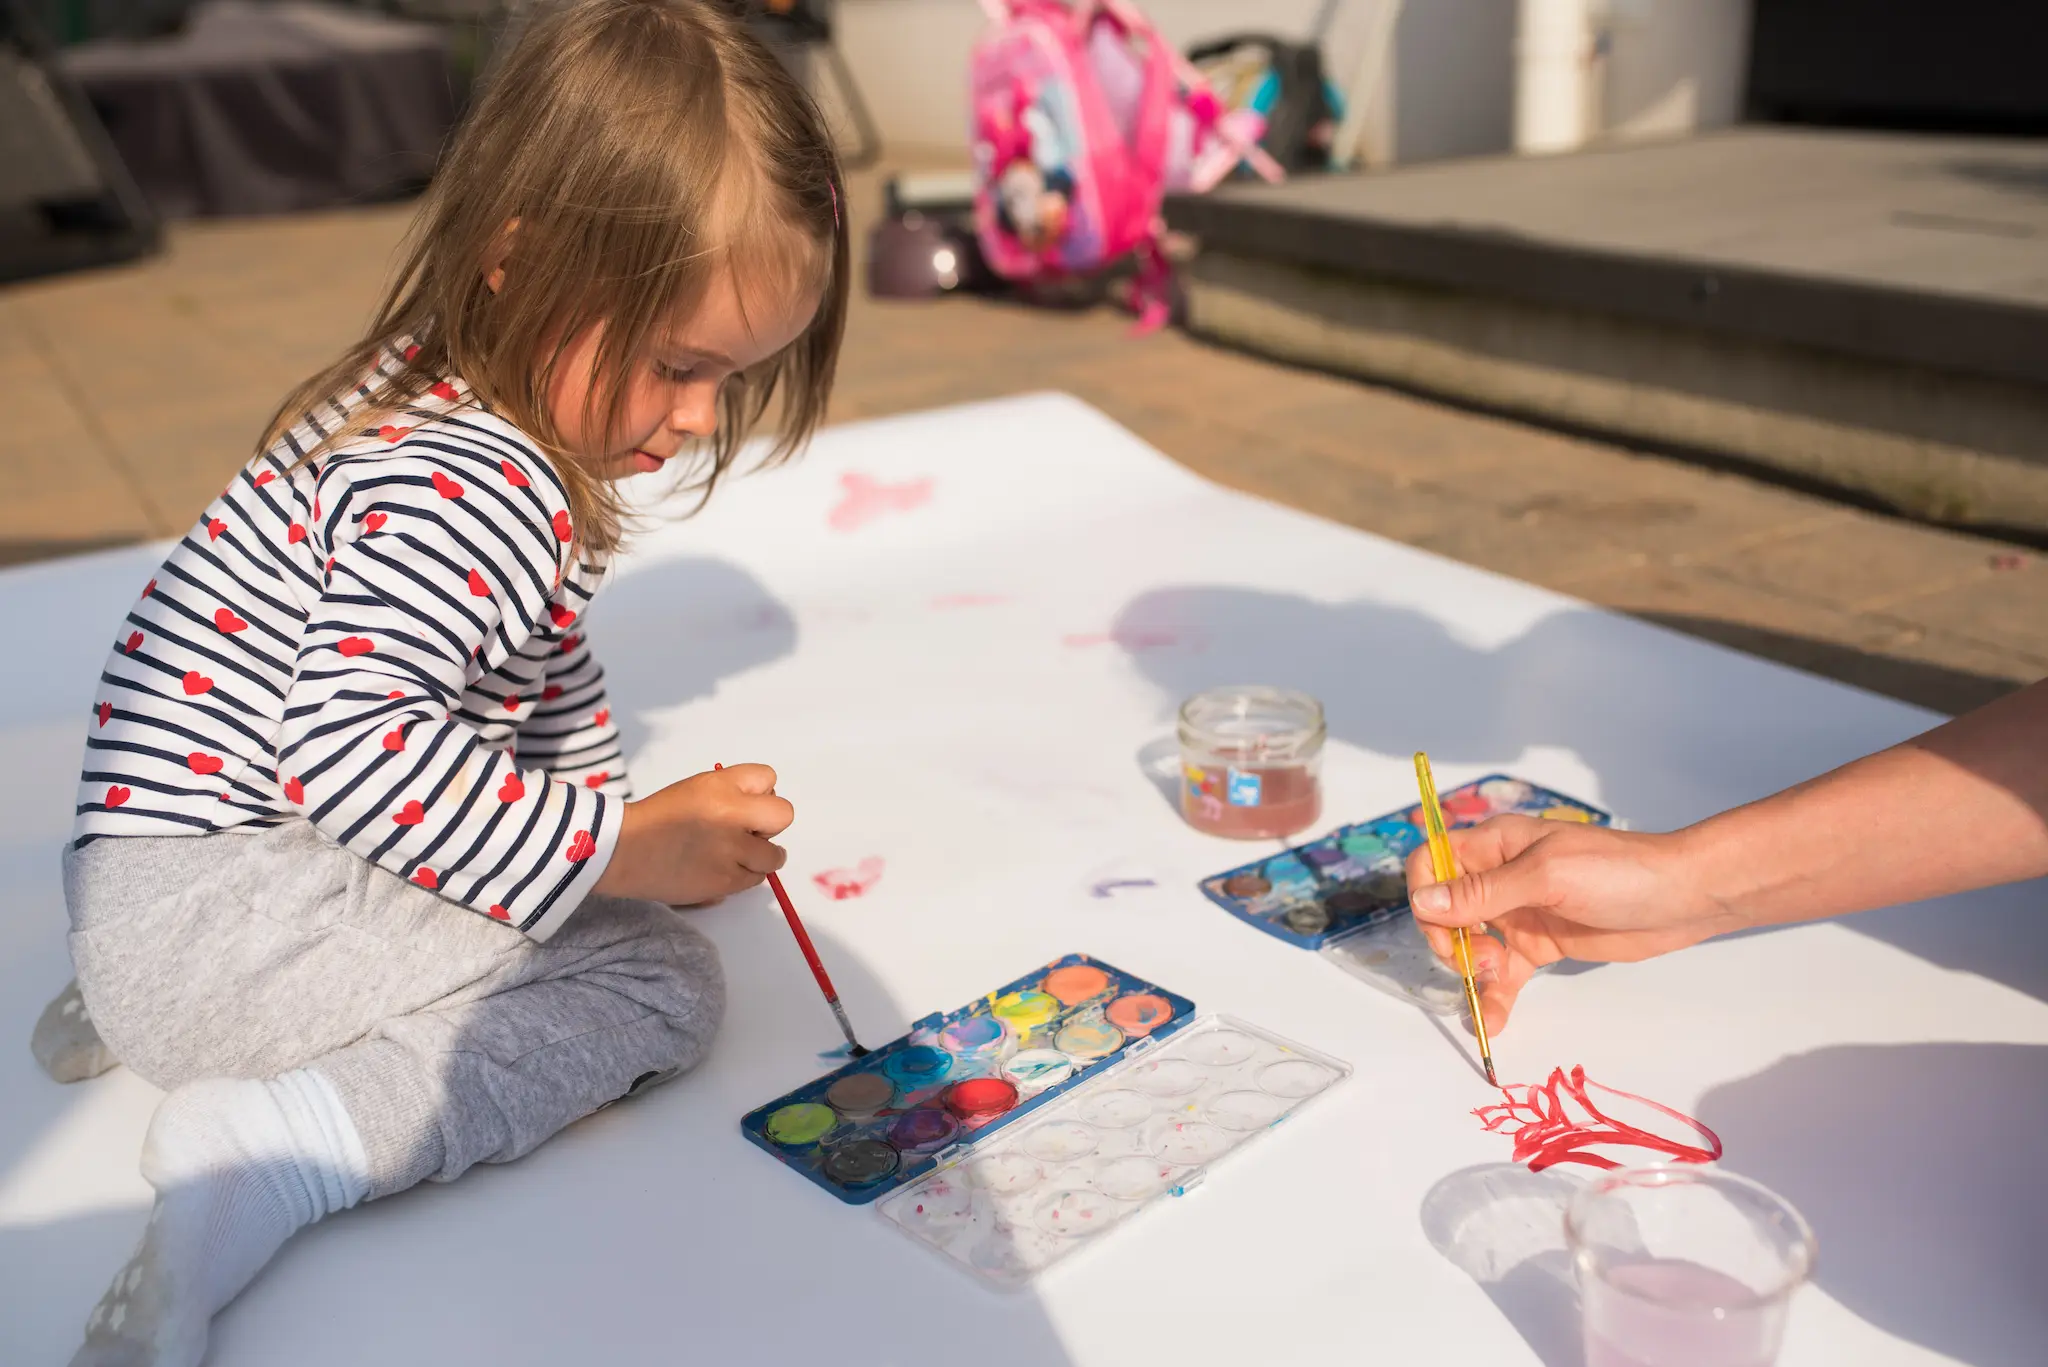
<point x="803" y="942"/>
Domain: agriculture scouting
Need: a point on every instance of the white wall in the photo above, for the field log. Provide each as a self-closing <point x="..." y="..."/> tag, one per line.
<point x="1675" y="65"/>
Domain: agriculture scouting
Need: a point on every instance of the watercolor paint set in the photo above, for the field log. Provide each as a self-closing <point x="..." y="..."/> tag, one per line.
<point x="925" y="1099"/>
<point x="1346" y="894"/>
<point x="1151" y="1125"/>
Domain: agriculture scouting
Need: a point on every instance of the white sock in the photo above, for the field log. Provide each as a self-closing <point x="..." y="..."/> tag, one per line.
<point x="238" y="1167"/>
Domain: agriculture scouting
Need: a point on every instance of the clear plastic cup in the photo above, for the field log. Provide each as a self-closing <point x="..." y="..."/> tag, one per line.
<point x="1251" y="762"/>
<point x="1685" y="1266"/>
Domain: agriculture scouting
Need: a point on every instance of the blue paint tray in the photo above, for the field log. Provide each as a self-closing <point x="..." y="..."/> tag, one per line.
<point x="1352" y="879"/>
<point x="923" y="1100"/>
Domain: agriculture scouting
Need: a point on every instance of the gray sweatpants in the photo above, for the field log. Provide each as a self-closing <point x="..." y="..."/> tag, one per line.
<point x="452" y="1039"/>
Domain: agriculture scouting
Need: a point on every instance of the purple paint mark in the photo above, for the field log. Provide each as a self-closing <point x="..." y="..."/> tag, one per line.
<point x="863" y="499"/>
<point x="1110" y="885"/>
<point x="1138" y="639"/>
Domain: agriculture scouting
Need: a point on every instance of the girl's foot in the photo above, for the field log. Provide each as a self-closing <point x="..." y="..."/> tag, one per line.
<point x="238" y="1167"/>
<point x="65" y="1042"/>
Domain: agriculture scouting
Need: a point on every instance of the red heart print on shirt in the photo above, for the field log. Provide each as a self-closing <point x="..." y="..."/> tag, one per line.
<point x="581" y="847"/>
<point x="426" y="877"/>
<point x="214" y="527"/>
<point x="224" y="620"/>
<point x="196" y="683"/>
<point x="595" y="780"/>
<point x="373" y="522"/>
<point x="134" y="640"/>
<point x="294" y="792"/>
<point x="353" y="646"/>
<point x="512" y="702"/>
<point x="514" y="476"/>
<point x="477" y="585"/>
<point x="199" y="762"/>
<point x="117" y="795"/>
<point x="265" y="478"/>
<point x="394" y="435"/>
<point x="569" y="643"/>
<point x="395" y="693"/>
<point x="512" y="789"/>
<point x="294" y="534"/>
<point x="394" y="739"/>
<point x="563" y="530"/>
<point x="411" y="814"/>
<point x="443" y="390"/>
<point x="106" y="710"/>
<point x="149" y="588"/>
<point x="601" y="716"/>
<point x="446" y="487"/>
<point x="499" y="913"/>
<point x="560" y="615"/>
<point x="412" y="351"/>
<point x="551" y="692"/>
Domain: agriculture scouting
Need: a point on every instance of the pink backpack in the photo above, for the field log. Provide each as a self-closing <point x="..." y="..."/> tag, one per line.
<point x="1084" y="118"/>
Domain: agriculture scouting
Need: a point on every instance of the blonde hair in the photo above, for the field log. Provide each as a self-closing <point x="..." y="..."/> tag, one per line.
<point x="640" y="147"/>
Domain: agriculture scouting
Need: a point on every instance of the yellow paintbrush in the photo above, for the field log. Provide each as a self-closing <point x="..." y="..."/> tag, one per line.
<point x="1446" y="868"/>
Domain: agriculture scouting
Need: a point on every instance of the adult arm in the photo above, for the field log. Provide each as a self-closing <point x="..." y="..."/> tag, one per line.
<point x="1963" y="806"/>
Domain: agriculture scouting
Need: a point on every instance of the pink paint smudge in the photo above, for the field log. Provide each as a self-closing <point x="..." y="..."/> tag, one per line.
<point x="970" y="600"/>
<point x="863" y="499"/>
<point x="840" y="884"/>
<point x="1557" y="1122"/>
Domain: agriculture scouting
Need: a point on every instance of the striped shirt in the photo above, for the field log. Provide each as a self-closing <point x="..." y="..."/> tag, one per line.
<point x="368" y="642"/>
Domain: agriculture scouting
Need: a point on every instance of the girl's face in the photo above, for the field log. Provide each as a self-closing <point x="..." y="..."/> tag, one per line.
<point x="671" y="393"/>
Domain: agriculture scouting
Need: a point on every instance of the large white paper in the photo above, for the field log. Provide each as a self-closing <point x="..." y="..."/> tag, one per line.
<point x="960" y="637"/>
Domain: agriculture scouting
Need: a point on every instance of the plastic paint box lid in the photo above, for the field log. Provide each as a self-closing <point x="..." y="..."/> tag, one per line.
<point x="1153" y="1124"/>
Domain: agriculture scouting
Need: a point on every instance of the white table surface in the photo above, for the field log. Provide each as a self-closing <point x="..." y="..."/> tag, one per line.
<point x="1886" y="1073"/>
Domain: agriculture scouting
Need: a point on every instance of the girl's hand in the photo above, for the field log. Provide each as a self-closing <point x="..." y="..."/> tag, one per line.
<point x="1559" y="890"/>
<point x="701" y="839"/>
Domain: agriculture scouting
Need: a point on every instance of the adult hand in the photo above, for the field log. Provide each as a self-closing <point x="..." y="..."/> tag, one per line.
<point x="701" y="839"/>
<point x="1558" y="890"/>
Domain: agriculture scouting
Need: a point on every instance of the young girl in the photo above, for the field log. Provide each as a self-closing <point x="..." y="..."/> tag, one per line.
<point x="355" y="876"/>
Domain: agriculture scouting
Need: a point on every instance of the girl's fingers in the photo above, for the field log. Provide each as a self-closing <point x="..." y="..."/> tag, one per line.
<point x="760" y="857"/>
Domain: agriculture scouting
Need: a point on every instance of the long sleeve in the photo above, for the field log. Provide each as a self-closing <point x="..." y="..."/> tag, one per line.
<point x="570" y="732"/>
<point x="444" y="570"/>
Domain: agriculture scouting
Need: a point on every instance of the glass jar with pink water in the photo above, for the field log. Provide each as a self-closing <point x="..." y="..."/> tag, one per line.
<point x="1251" y="762"/>
<point x="1685" y="1266"/>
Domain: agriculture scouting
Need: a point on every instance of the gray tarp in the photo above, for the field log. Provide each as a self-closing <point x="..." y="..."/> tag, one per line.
<point x="261" y="108"/>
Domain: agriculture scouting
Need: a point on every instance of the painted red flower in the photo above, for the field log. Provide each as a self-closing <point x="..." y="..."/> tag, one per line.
<point x="1559" y="1122"/>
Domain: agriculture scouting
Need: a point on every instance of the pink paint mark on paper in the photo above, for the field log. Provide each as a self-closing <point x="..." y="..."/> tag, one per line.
<point x="970" y="600"/>
<point x="840" y="884"/>
<point x="1557" y="1122"/>
<point x="863" y="499"/>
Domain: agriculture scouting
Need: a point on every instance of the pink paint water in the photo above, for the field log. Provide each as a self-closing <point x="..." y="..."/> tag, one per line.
<point x="1669" y="1312"/>
<point x="863" y="499"/>
<point x="1288" y="800"/>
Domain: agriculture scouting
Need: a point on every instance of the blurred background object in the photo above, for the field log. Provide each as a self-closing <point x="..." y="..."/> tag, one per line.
<point x="66" y="198"/>
<point x="249" y="108"/>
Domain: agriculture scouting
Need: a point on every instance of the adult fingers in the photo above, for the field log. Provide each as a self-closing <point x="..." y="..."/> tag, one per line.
<point x="1489" y="889"/>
